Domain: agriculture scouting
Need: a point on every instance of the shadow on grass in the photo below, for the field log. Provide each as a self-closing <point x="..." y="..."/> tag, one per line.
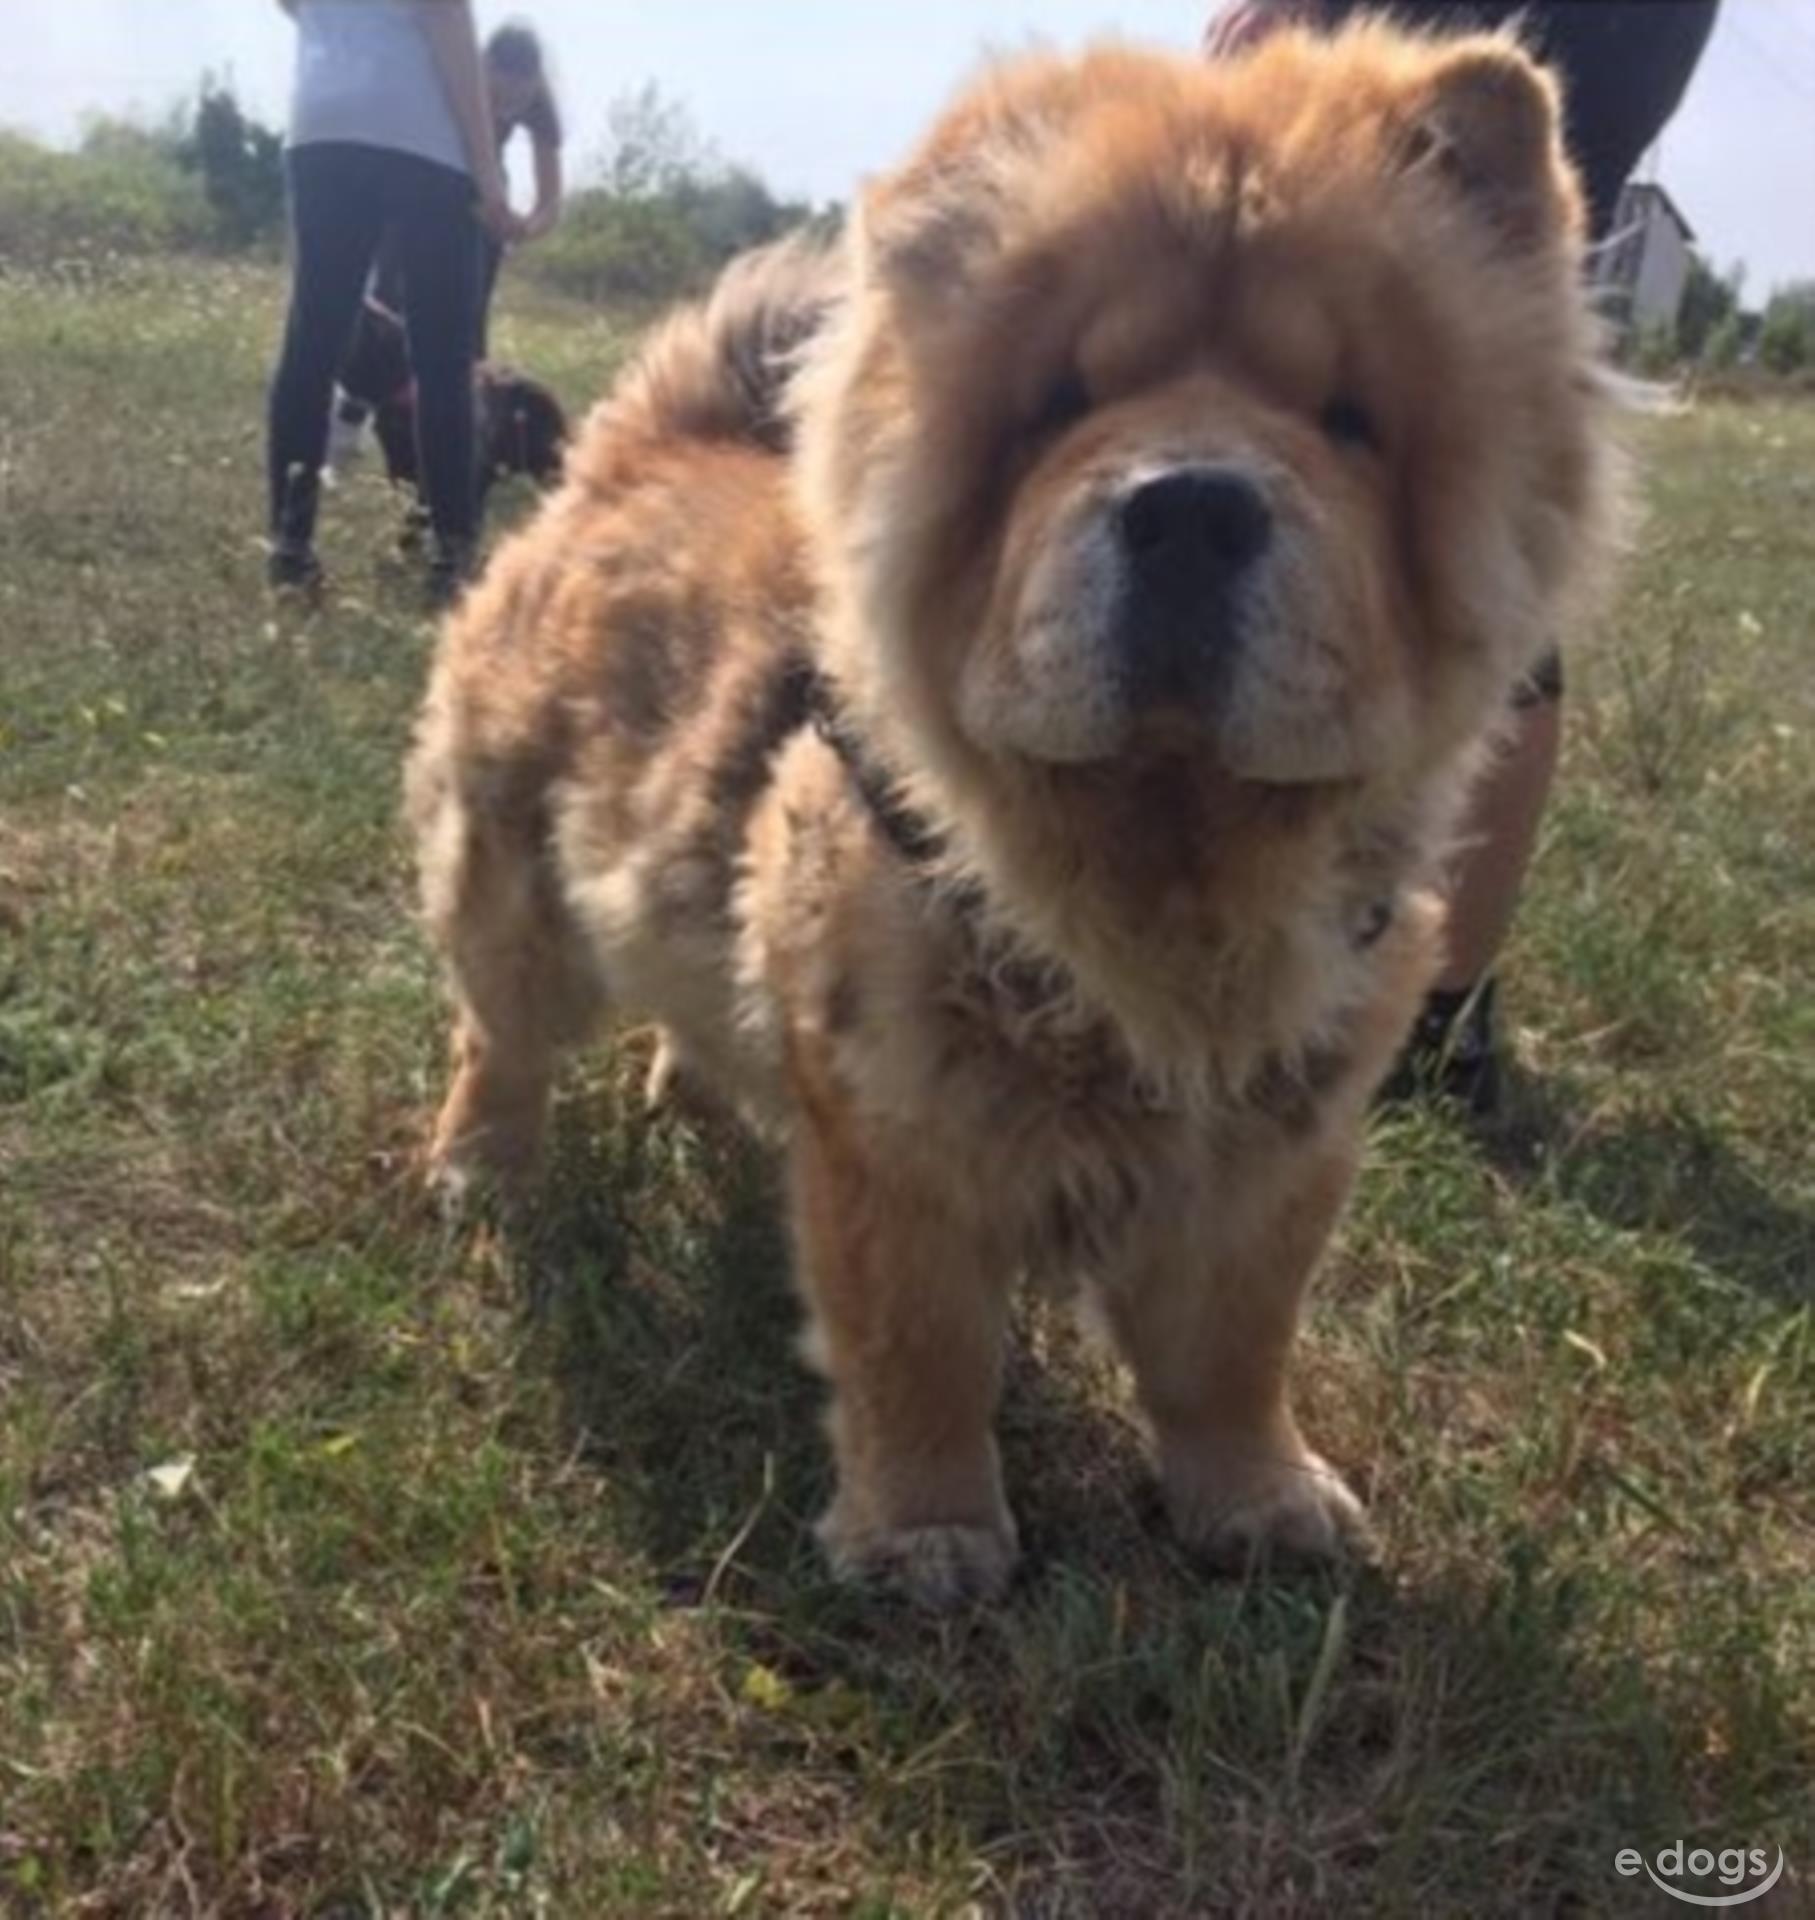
<point x="1667" y="1174"/>
<point x="658" y="1269"/>
<point x="1468" y="1733"/>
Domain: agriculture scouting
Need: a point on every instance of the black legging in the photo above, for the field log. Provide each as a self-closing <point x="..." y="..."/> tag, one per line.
<point x="1625" y="66"/>
<point x="343" y="198"/>
<point x="491" y="258"/>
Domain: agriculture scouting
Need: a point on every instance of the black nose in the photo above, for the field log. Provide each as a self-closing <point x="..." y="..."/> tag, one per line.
<point x="1196" y="528"/>
<point x="1188" y="538"/>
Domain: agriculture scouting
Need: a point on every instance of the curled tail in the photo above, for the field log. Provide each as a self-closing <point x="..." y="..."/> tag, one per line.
<point x="718" y="368"/>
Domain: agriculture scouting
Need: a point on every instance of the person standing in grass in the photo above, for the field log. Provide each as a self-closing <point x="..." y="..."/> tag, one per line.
<point x="390" y="131"/>
<point x="522" y="100"/>
<point x="1625" y="66"/>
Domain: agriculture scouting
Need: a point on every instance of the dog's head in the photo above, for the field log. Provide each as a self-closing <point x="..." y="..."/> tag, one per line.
<point x="525" y="429"/>
<point x="1234" y="418"/>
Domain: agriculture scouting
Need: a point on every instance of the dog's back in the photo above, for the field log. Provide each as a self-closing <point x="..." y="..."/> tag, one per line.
<point x="674" y="521"/>
<point x="717" y="371"/>
<point x="605" y="705"/>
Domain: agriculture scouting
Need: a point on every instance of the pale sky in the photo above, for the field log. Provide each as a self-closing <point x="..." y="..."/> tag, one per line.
<point x="817" y="93"/>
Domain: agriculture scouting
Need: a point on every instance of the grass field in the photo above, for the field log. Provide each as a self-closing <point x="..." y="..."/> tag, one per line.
<point x="352" y="1567"/>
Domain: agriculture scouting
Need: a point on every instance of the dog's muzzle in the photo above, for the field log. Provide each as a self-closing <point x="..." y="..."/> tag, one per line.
<point x="1189" y="539"/>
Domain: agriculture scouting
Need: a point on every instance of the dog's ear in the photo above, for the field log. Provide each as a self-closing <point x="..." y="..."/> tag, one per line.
<point x="925" y="232"/>
<point x="924" y="236"/>
<point x="1488" y="120"/>
<point x="927" y="229"/>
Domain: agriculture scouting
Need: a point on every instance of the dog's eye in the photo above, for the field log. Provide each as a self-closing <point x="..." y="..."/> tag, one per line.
<point x="1063" y="405"/>
<point x="1348" y="423"/>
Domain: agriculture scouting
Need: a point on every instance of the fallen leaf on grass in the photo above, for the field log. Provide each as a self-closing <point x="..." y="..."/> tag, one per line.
<point x="764" y="1687"/>
<point x="1583" y="1344"/>
<point x="172" y="1477"/>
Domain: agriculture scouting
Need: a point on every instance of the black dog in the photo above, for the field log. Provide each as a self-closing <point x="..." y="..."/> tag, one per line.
<point x="521" y="426"/>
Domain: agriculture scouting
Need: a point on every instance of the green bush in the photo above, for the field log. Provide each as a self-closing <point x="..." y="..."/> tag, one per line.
<point x="1709" y="300"/>
<point x="1653" y="352"/>
<point x="1786" y="341"/>
<point x="609" y="249"/>
<point x="663" y="215"/>
<point x="646" y="248"/>
<point x="241" y="165"/>
<point x="207" y="177"/>
<point x="114" y="195"/>
<point x="1725" y="343"/>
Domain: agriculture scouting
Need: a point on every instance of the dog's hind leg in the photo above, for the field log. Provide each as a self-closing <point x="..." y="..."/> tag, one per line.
<point x="522" y="988"/>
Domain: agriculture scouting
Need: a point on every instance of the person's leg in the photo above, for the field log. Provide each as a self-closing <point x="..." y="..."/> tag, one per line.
<point x="351" y="412"/>
<point x="1625" y="68"/>
<point x="1452" y="1048"/>
<point x="491" y="258"/>
<point x="335" y="228"/>
<point x="1504" y="816"/>
<point x="438" y="244"/>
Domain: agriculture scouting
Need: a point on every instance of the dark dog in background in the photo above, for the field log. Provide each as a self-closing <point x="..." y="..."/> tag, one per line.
<point x="521" y="426"/>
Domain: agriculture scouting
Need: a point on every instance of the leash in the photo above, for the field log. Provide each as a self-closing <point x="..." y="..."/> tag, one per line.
<point x="912" y="836"/>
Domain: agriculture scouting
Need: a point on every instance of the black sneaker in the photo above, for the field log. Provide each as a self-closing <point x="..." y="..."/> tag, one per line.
<point x="413" y="533"/>
<point x="294" y="572"/>
<point x="1452" y="1053"/>
<point x="450" y="572"/>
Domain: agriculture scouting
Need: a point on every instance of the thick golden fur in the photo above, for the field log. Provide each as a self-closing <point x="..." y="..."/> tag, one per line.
<point x="1124" y="1028"/>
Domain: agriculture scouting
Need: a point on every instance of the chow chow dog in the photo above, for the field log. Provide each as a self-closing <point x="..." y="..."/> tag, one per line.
<point x="995" y="692"/>
<point x="521" y="427"/>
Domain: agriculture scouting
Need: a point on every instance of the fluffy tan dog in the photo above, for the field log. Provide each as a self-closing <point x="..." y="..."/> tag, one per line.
<point x="1008" y="756"/>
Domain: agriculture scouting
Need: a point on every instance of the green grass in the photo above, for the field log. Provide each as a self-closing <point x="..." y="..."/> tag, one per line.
<point x="478" y="1581"/>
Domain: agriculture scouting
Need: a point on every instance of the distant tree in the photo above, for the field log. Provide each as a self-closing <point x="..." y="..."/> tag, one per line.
<point x="1786" y="340"/>
<point x="1708" y="298"/>
<point x="1726" y="343"/>
<point x="663" y="211"/>
<point x="241" y="167"/>
<point x="732" y="210"/>
<point x="652" y="146"/>
<point x="1653" y="352"/>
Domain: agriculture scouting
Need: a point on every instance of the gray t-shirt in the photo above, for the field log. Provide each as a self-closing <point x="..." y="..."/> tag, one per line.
<point x="366" y="74"/>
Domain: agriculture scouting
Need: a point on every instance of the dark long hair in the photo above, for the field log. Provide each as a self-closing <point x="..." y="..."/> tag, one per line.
<point x="516" y="49"/>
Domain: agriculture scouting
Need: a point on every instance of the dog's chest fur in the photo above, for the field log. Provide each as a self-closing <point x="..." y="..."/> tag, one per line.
<point x="979" y="1062"/>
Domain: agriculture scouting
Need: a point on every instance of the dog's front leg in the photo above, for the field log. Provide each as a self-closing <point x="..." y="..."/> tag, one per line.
<point x="908" y="1309"/>
<point x="1207" y="1316"/>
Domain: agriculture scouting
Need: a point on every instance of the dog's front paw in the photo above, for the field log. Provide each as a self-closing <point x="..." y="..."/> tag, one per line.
<point x="938" y="1567"/>
<point x="465" y="1183"/>
<point x="464" y="1189"/>
<point x="454" y="1187"/>
<point x="1235" y="1508"/>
